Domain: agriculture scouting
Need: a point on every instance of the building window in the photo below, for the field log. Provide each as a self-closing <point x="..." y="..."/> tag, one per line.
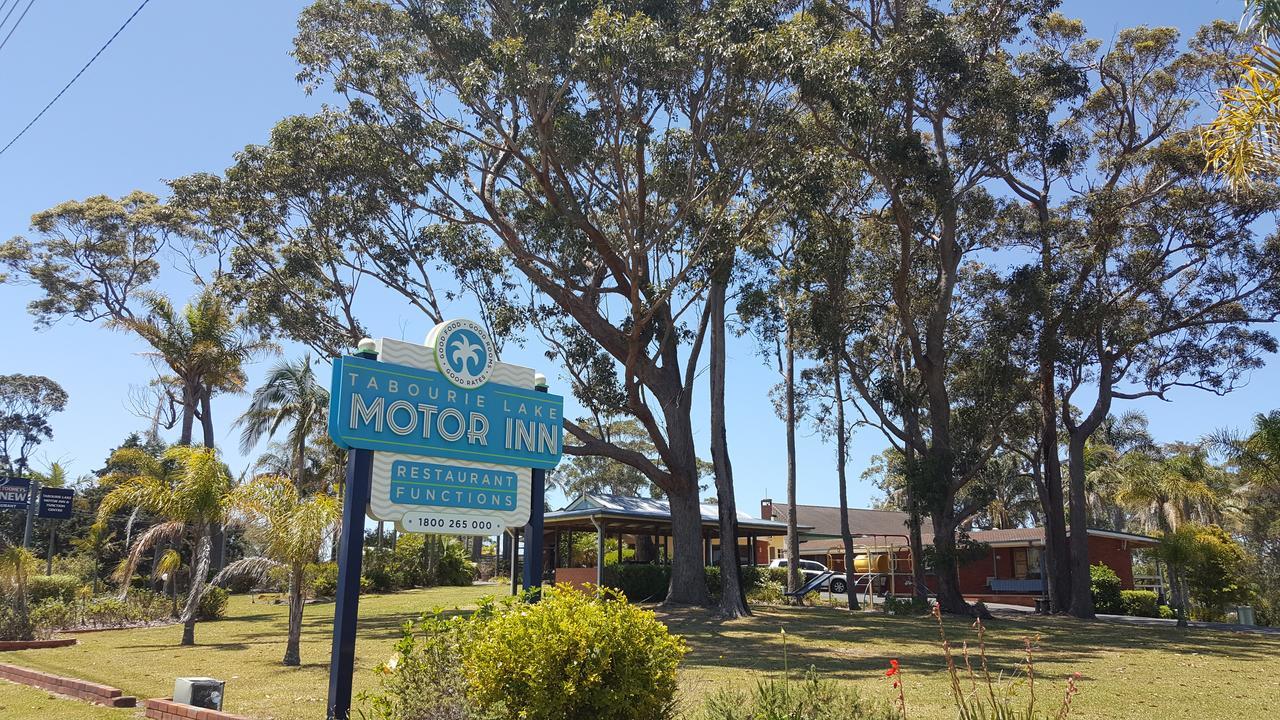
<point x="1026" y="563"/>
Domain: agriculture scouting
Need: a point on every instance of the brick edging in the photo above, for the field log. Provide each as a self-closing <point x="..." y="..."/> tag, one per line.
<point x="167" y="709"/>
<point x="7" y="645"/>
<point x="80" y="689"/>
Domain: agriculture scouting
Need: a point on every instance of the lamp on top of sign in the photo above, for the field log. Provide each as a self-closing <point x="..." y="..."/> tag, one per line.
<point x="455" y="432"/>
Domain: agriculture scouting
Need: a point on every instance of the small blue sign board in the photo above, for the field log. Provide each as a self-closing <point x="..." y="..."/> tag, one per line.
<point x="443" y="485"/>
<point x="14" y="492"/>
<point x="388" y="407"/>
<point x="55" y="503"/>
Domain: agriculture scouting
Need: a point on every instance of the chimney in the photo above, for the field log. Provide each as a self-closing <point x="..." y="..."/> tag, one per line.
<point x="766" y="509"/>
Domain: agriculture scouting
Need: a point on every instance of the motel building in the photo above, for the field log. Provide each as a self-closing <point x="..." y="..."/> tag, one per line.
<point x="596" y="529"/>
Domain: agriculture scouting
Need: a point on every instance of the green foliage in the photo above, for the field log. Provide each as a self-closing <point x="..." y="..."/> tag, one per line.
<point x="581" y="658"/>
<point x="1139" y="603"/>
<point x="57" y="587"/>
<point x="568" y="656"/>
<point x="213" y="604"/>
<point x="1166" y="612"/>
<point x="648" y="583"/>
<point x="417" y="561"/>
<point x="15" y="624"/>
<point x="639" y="583"/>
<point x="809" y="699"/>
<point x="1217" y="572"/>
<point x="322" y="579"/>
<point x="1104" y="584"/>
<point x="910" y="606"/>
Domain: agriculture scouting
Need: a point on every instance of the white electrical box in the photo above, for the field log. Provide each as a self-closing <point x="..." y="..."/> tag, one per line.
<point x="201" y="692"/>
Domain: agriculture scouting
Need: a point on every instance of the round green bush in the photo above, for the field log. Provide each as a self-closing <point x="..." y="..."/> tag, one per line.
<point x="1139" y="603"/>
<point x="213" y="604"/>
<point x="1105" y="585"/>
<point x="571" y="656"/>
<point x="52" y="587"/>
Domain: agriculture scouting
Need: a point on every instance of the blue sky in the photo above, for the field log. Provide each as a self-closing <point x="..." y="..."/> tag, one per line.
<point x="188" y="84"/>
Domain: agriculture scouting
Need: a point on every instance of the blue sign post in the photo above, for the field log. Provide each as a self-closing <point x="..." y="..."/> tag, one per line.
<point x="443" y="438"/>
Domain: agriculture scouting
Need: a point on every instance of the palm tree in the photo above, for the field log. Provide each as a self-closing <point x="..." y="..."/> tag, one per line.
<point x="293" y="528"/>
<point x="289" y="396"/>
<point x="204" y="348"/>
<point x="16" y="564"/>
<point x="189" y="487"/>
<point x="1169" y="491"/>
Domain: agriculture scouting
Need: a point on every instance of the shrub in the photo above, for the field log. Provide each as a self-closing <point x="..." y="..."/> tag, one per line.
<point x="583" y="657"/>
<point x="107" y="612"/>
<point x="809" y="699"/>
<point x="213" y="604"/>
<point x="1139" y="603"/>
<point x="906" y="605"/>
<point x="424" y="678"/>
<point x="1105" y="586"/>
<point x="46" y="587"/>
<point x="640" y="583"/>
<point x="768" y="591"/>
<point x="55" y="614"/>
<point x="322" y="579"/>
<point x="454" y="567"/>
<point x="1166" y="612"/>
<point x="15" y="624"/>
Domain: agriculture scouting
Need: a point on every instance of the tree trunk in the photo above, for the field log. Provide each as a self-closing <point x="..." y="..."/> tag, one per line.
<point x="1057" y="560"/>
<point x="733" y="597"/>
<point x="199" y="571"/>
<point x="1081" y="592"/>
<point x="291" y="656"/>
<point x="846" y="533"/>
<point x="219" y="538"/>
<point x="915" y="538"/>
<point x="950" y="599"/>
<point x="688" y="578"/>
<point x="189" y="401"/>
<point x="793" y="533"/>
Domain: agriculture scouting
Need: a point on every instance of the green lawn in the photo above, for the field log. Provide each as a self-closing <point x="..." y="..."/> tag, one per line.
<point x="1128" y="672"/>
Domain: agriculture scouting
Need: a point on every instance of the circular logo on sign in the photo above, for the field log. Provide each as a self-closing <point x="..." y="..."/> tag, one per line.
<point x="464" y="353"/>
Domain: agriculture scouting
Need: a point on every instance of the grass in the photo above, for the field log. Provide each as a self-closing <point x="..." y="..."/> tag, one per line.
<point x="1126" y="671"/>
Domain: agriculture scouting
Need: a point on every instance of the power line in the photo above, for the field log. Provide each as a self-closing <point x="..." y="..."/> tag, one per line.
<point x="5" y="21"/>
<point x="77" y="75"/>
<point x="17" y="22"/>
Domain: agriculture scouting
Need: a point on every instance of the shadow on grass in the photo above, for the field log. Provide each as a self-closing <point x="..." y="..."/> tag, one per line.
<point x="843" y="644"/>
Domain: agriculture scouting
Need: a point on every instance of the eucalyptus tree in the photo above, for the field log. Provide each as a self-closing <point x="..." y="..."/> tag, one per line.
<point x="900" y="91"/>
<point x="1152" y="274"/>
<point x="602" y="152"/>
<point x="26" y="402"/>
<point x="189" y="488"/>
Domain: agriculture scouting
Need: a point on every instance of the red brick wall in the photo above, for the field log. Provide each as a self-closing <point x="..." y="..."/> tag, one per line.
<point x="1115" y="554"/>
<point x="973" y="575"/>
<point x="93" y="692"/>
<point x="166" y="709"/>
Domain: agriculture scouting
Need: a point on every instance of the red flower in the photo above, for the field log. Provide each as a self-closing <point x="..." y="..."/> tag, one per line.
<point x="893" y="669"/>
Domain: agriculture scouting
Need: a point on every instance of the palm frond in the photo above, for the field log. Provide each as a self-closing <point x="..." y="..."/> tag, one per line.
<point x="166" y="531"/>
<point x="251" y="567"/>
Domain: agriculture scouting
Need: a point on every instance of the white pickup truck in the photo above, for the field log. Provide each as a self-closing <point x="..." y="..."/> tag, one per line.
<point x="811" y="569"/>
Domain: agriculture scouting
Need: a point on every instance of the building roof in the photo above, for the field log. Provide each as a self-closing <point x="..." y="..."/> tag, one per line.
<point x="621" y="512"/>
<point x="889" y="527"/>
<point x="825" y="521"/>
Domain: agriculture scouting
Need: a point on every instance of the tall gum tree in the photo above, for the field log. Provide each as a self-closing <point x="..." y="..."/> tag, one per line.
<point x="1150" y="275"/>
<point x="600" y="150"/>
<point x="898" y="89"/>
